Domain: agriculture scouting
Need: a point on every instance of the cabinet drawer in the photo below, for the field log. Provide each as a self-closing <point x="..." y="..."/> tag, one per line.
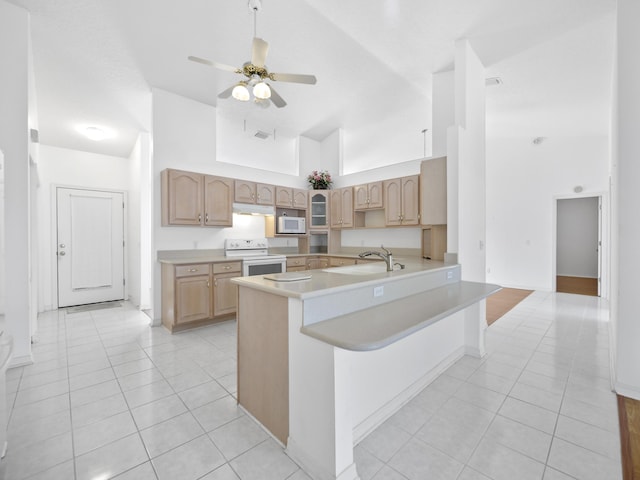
<point x="191" y="270"/>
<point x="340" y="262"/>
<point x="296" y="262"/>
<point x="227" y="267"/>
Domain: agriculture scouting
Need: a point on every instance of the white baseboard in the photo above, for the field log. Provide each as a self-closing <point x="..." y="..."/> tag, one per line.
<point x="20" y="361"/>
<point x="312" y="469"/>
<point x="629" y="391"/>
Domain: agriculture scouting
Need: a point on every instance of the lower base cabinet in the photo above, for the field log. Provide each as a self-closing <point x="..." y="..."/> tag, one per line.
<point x="198" y="294"/>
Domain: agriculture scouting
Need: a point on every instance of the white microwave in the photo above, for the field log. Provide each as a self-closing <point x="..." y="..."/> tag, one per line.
<point x="291" y="225"/>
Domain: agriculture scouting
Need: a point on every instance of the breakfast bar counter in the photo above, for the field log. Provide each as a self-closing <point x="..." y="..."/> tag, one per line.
<point x="325" y="359"/>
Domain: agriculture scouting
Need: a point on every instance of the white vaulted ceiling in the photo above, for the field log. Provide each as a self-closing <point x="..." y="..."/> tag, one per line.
<point x="95" y="62"/>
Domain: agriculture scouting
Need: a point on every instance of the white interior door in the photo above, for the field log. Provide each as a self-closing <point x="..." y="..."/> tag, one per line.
<point x="90" y="246"/>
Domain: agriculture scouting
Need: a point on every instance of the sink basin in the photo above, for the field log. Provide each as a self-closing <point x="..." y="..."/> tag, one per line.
<point x="364" y="269"/>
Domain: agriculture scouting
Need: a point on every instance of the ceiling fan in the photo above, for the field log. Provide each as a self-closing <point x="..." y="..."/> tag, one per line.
<point x="256" y="73"/>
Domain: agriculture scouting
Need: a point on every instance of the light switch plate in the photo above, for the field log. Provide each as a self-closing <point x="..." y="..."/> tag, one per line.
<point x="378" y="291"/>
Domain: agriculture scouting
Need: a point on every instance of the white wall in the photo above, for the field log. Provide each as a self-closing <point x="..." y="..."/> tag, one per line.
<point x="15" y="54"/>
<point x="471" y="192"/>
<point x="523" y="181"/>
<point x="2" y="274"/>
<point x="626" y="175"/>
<point x="138" y="232"/>
<point x="577" y="237"/>
<point x="68" y="168"/>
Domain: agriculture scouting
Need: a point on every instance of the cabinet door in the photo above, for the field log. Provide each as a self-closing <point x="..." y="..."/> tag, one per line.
<point x="218" y="200"/>
<point x="225" y="294"/>
<point x="245" y="192"/>
<point x="347" y="207"/>
<point x="319" y="209"/>
<point x="300" y="198"/>
<point x="296" y="263"/>
<point x="360" y="197"/>
<point x="265" y="194"/>
<point x="193" y="299"/>
<point x="315" y="263"/>
<point x="433" y="190"/>
<point x="183" y="198"/>
<point x="410" y="200"/>
<point x="336" y="209"/>
<point x="393" y="201"/>
<point x="284" y="197"/>
<point x="375" y="195"/>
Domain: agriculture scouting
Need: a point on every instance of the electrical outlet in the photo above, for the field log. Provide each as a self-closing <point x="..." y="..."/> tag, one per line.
<point x="449" y="275"/>
<point x="378" y="291"/>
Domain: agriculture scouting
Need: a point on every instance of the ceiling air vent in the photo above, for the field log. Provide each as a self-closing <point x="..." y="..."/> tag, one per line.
<point x="262" y="135"/>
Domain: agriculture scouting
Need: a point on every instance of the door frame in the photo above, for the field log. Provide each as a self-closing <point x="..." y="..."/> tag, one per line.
<point x="604" y="252"/>
<point x="53" y="243"/>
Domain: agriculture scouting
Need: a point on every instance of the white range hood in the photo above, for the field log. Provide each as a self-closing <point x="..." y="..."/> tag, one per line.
<point x="251" y="209"/>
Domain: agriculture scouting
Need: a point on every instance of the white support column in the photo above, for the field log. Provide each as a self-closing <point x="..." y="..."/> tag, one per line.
<point x="14" y="142"/>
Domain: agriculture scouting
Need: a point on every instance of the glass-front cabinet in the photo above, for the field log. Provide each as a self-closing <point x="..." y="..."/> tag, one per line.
<point x="319" y="202"/>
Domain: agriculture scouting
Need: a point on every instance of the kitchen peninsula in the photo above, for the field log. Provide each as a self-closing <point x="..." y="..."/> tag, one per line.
<point x="324" y="360"/>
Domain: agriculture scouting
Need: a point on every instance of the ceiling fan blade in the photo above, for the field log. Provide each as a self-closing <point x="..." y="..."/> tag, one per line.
<point x="220" y="66"/>
<point x="226" y="93"/>
<point x="294" y="78"/>
<point x="259" y="52"/>
<point x="277" y="100"/>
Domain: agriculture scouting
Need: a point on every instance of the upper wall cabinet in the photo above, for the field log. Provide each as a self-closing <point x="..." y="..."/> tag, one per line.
<point x="291" y="198"/>
<point x="433" y="185"/>
<point x="342" y="208"/>
<point x="368" y="196"/>
<point x="196" y="199"/>
<point x="402" y="201"/>
<point x="251" y="192"/>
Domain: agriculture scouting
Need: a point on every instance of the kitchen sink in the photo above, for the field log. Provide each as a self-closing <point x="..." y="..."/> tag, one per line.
<point x="364" y="269"/>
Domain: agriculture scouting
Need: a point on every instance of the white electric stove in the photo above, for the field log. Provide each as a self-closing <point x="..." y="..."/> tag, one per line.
<point x="254" y="253"/>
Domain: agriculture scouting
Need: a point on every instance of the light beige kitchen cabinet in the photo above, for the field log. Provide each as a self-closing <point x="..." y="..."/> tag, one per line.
<point x="291" y="198"/>
<point x="225" y="293"/>
<point x="257" y="193"/>
<point x="197" y="199"/>
<point x="186" y="294"/>
<point x="182" y="194"/>
<point x="402" y="201"/>
<point x="198" y="294"/>
<point x="319" y="209"/>
<point x="341" y="261"/>
<point x="296" y="264"/>
<point x="341" y="201"/>
<point x="314" y="263"/>
<point x="368" y="196"/>
<point x="433" y="189"/>
<point x="218" y="201"/>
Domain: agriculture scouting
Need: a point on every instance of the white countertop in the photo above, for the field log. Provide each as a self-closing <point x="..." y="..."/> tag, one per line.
<point x="323" y="282"/>
<point x="377" y="327"/>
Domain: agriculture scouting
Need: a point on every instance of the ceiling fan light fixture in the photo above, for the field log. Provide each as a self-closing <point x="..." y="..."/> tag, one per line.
<point x="240" y="92"/>
<point x="262" y="91"/>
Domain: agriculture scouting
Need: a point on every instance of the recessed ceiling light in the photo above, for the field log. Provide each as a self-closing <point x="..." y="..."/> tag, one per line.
<point x="94" y="133"/>
<point x="493" y="81"/>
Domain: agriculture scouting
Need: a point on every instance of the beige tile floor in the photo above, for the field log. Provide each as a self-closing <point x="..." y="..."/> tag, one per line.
<point x="109" y="397"/>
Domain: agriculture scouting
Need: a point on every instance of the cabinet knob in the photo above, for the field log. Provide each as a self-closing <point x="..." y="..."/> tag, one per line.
<point x="227" y="267"/>
<point x="193" y="269"/>
<point x="199" y="217"/>
<point x="206" y="217"/>
<point x="215" y="283"/>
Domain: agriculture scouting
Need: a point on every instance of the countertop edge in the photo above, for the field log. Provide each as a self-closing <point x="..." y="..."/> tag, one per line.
<point x="330" y="333"/>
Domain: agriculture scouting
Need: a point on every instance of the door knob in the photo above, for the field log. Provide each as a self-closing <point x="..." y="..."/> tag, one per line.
<point x="62" y="254"/>
<point x="62" y="245"/>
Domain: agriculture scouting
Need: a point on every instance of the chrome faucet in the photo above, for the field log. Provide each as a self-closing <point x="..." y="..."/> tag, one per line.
<point x="386" y="256"/>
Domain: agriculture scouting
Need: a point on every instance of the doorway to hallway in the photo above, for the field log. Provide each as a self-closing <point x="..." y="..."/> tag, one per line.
<point x="578" y="245"/>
